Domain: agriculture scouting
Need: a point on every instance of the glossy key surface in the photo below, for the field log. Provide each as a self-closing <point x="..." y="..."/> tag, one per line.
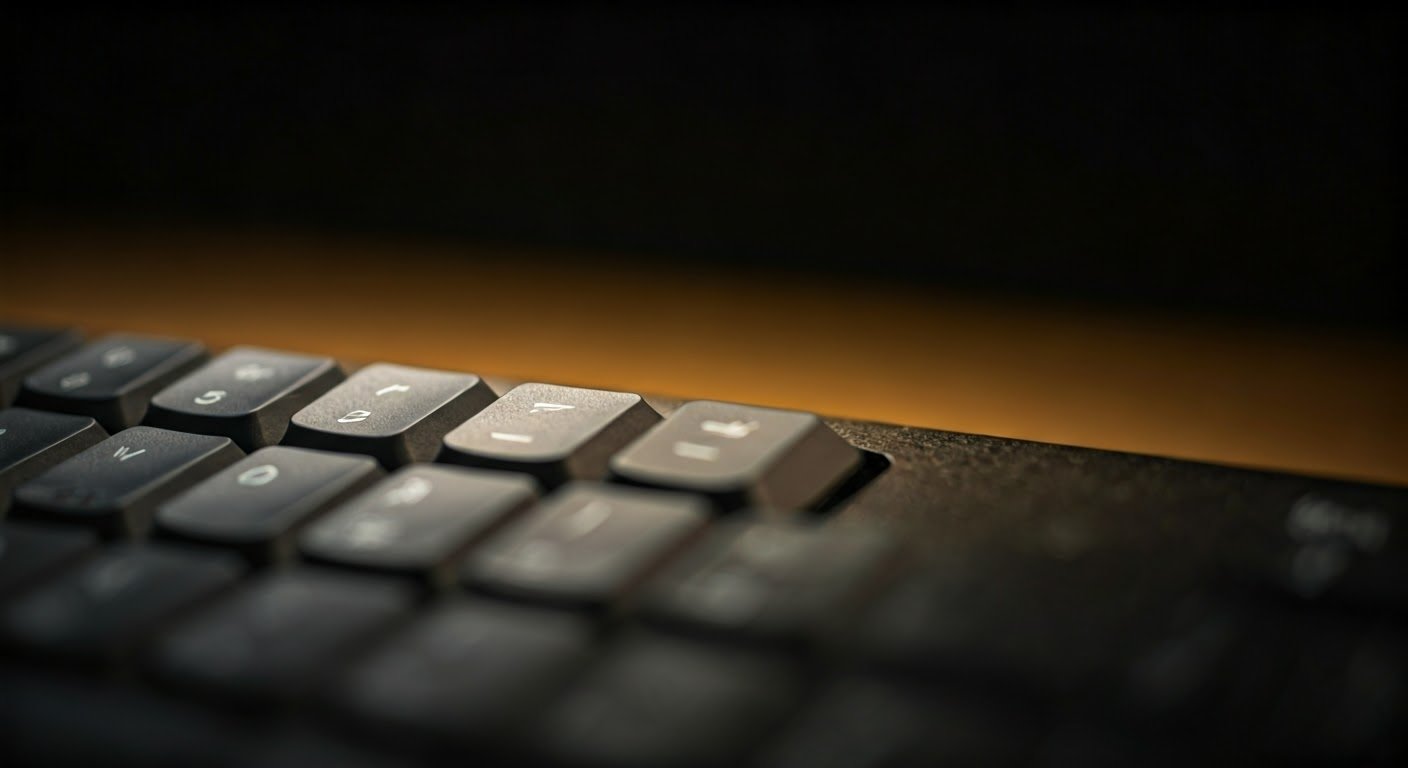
<point x="33" y="441"/>
<point x="586" y="544"/>
<point x="101" y="609"/>
<point x="393" y="413"/>
<point x="554" y="433"/>
<point x="741" y="456"/>
<point x="112" y="379"/>
<point x="417" y="521"/>
<point x="25" y="348"/>
<point x="247" y="394"/>
<point x="258" y="504"/>
<point x="115" y="485"/>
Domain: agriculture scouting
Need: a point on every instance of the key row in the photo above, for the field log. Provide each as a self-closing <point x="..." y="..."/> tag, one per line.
<point x="738" y="455"/>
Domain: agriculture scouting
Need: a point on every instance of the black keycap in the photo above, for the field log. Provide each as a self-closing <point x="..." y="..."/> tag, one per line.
<point x="101" y="610"/>
<point x="33" y="441"/>
<point x="770" y="581"/>
<point x="117" y="484"/>
<point x="860" y="722"/>
<point x="741" y="455"/>
<point x="247" y="394"/>
<point x="392" y="413"/>
<point x="112" y="379"/>
<point x="418" y="520"/>
<point x="29" y="552"/>
<point x="466" y="672"/>
<point x="657" y="702"/>
<point x="258" y="504"/>
<point x="47" y="719"/>
<point x="24" y="349"/>
<point x="277" y="636"/>
<point x="554" y="433"/>
<point x="586" y="544"/>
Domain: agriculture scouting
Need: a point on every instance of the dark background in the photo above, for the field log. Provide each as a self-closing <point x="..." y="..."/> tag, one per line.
<point x="1241" y="160"/>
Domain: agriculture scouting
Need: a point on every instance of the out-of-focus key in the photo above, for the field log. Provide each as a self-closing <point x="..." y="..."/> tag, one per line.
<point x="554" y="433"/>
<point x="258" y="504"/>
<point x="247" y="394"/>
<point x="277" y="636"/>
<point x="659" y="702"/>
<point x="392" y="413"/>
<point x="23" y="349"/>
<point x="466" y="672"/>
<point x="741" y="456"/>
<point x="586" y="544"/>
<point x="102" y="609"/>
<point x="115" y="485"/>
<point x="418" y="520"/>
<point x="29" y="552"/>
<point x="769" y="581"/>
<point x="112" y="379"/>
<point x="33" y="441"/>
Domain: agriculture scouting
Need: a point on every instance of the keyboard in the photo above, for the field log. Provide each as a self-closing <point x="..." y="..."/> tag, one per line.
<point x="263" y="557"/>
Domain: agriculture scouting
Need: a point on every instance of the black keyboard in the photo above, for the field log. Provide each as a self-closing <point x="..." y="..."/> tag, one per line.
<point x="263" y="558"/>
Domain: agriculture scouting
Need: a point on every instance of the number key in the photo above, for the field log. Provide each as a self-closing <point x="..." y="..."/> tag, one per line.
<point x="22" y="350"/>
<point x="112" y="379"/>
<point x="247" y="394"/>
<point x="393" y="413"/>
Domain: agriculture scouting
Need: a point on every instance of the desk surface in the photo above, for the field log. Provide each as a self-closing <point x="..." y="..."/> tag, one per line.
<point x="1320" y="402"/>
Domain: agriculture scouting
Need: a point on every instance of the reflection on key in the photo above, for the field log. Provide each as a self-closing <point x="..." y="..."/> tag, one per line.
<point x="741" y="456"/>
<point x="554" y="433"/>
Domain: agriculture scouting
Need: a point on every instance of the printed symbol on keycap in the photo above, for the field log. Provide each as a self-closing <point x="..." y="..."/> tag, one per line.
<point x="3" y="431"/>
<point x="124" y="453"/>
<point x="587" y="519"/>
<point x="696" y="451"/>
<point x="213" y="396"/>
<point x="371" y="532"/>
<point x="253" y="372"/>
<point x="260" y="475"/>
<point x="550" y="407"/>
<point x="511" y="437"/>
<point x="408" y="493"/>
<point x="355" y="416"/>
<point x="75" y="380"/>
<point x="119" y="356"/>
<point x="392" y="388"/>
<point x="7" y="344"/>
<point x="732" y="429"/>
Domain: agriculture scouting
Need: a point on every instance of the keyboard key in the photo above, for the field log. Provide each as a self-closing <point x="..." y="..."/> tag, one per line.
<point x="115" y="485"/>
<point x="658" y="702"/>
<point x="258" y="504"/>
<point x="554" y="433"/>
<point x="33" y="441"/>
<point x="466" y="672"/>
<point x="24" y="349"/>
<point x="247" y="394"/>
<point x="417" y="521"/>
<point x="392" y="413"/>
<point x="770" y="581"/>
<point x="30" y="552"/>
<point x="277" y="636"/>
<point x="741" y="456"/>
<point x="586" y="544"/>
<point x="859" y="722"/>
<point x="99" y="611"/>
<point x="112" y="379"/>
